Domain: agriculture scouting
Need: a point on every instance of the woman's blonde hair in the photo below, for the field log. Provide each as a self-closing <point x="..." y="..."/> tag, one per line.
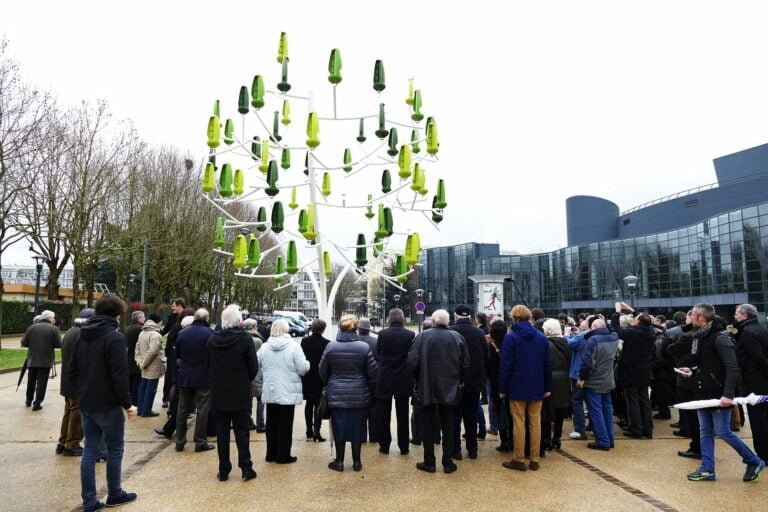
<point x="348" y="323"/>
<point x="520" y="313"/>
<point x="552" y="328"/>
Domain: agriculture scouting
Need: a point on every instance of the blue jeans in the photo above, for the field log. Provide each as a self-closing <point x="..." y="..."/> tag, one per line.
<point x="147" y="390"/>
<point x="577" y="404"/>
<point x="492" y="417"/>
<point x="717" y="422"/>
<point x="109" y="426"/>
<point x="481" y="419"/>
<point x="601" y="416"/>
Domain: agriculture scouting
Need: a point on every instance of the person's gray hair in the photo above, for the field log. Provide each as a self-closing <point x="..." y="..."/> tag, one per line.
<point x="747" y="310"/>
<point x="231" y="317"/>
<point x="626" y="320"/>
<point x="426" y="324"/>
<point x="80" y="321"/>
<point x="136" y="315"/>
<point x="280" y="327"/>
<point x="705" y="309"/>
<point x="396" y="315"/>
<point x="249" y="324"/>
<point x="186" y="321"/>
<point x="552" y="327"/>
<point x="598" y="324"/>
<point x="47" y="315"/>
<point x="441" y="317"/>
<point x="202" y="314"/>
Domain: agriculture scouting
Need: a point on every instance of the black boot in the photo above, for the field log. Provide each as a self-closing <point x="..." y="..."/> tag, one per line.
<point x="338" y="464"/>
<point x="356" y="464"/>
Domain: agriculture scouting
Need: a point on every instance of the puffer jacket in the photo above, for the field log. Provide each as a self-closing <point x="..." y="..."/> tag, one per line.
<point x="281" y="365"/>
<point x="348" y="369"/>
<point x="149" y="351"/>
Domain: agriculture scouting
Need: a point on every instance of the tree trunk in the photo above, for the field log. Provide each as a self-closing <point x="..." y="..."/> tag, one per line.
<point x="90" y="282"/>
<point x="75" y="289"/>
<point x="53" y="282"/>
<point x="2" y="290"/>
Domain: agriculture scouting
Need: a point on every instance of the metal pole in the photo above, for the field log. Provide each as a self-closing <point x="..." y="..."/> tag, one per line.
<point x="143" y="271"/>
<point x="322" y="301"/>
<point x="39" y="268"/>
<point x="217" y="290"/>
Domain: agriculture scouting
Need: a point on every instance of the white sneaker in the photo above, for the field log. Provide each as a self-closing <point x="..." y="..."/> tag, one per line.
<point x="577" y="435"/>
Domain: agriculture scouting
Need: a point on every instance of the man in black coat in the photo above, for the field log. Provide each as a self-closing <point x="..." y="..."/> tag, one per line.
<point x="752" y="355"/>
<point x="41" y="338"/>
<point x="394" y="381"/>
<point x="192" y="381"/>
<point x="171" y="329"/>
<point x="100" y="369"/>
<point x="71" y="427"/>
<point x="634" y="370"/>
<point x="132" y="337"/>
<point x="474" y="381"/>
<point x="232" y="366"/>
<point x="438" y="359"/>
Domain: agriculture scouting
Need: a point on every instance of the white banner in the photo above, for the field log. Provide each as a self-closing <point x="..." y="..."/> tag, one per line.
<point x="491" y="298"/>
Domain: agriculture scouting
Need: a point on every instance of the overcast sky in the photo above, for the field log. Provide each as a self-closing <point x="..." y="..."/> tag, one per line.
<point x="535" y="101"/>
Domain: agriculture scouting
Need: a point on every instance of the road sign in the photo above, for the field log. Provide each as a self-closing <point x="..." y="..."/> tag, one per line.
<point x="420" y="307"/>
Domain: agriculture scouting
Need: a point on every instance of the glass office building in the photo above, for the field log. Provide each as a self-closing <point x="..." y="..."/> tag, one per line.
<point x="713" y="247"/>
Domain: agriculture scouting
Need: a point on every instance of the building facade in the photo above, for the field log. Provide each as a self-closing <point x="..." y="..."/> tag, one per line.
<point x="709" y="244"/>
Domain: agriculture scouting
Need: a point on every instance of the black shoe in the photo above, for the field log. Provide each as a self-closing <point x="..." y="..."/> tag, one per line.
<point x="204" y="447"/>
<point x="59" y="449"/>
<point x="95" y="507"/>
<point x="36" y="407"/>
<point x="161" y="432"/>
<point x="681" y="433"/>
<point x="73" y="452"/>
<point x="180" y="447"/>
<point x="28" y="403"/>
<point x="310" y="437"/>
<point x="150" y="414"/>
<point x="416" y="442"/>
<point x="675" y="424"/>
<point x="336" y="465"/>
<point x="450" y="469"/>
<point x="223" y="477"/>
<point x="251" y="427"/>
<point x="357" y="465"/>
<point x="384" y="449"/>
<point x="456" y="456"/>
<point x="249" y="474"/>
<point x="555" y="444"/>
<point x="423" y="466"/>
<point x="688" y="454"/>
<point x="647" y="435"/>
<point x="633" y="435"/>
<point x="165" y="404"/>
<point x="289" y="460"/>
<point x="502" y="448"/>
<point x="533" y="466"/>
<point x="472" y="455"/>
<point x="595" y="446"/>
<point x="405" y="452"/>
<point x="512" y="464"/>
<point x="481" y="437"/>
<point x="260" y="430"/>
<point x="121" y="499"/>
<point x="318" y="438"/>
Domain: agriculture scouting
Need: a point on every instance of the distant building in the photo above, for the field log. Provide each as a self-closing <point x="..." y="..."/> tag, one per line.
<point x="19" y="284"/>
<point x="707" y="244"/>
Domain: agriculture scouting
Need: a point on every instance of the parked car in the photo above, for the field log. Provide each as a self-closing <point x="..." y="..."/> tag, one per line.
<point x="295" y="328"/>
<point x="375" y="322"/>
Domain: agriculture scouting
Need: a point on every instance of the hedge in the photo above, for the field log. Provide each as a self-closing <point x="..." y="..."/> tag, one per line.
<point x="16" y="319"/>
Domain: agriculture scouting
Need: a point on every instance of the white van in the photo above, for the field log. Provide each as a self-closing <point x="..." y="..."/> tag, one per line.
<point x="296" y="315"/>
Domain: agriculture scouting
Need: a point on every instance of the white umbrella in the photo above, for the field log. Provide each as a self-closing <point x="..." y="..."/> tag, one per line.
<point x="752" y="399"/>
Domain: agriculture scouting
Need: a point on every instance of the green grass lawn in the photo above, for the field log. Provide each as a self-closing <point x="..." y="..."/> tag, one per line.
<point x="14" y="357"/>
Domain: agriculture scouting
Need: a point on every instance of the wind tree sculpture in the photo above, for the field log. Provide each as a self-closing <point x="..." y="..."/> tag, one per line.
<point x="267" y="161"/>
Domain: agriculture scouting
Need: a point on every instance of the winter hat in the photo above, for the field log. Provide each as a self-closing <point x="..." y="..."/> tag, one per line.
<point x="86" y="313"/>
<point x="155" y="318"/>
<point x="463" y="311"/>
<point x="364" y="324"/>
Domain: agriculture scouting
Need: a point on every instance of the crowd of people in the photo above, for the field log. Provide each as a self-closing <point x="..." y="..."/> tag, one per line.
<point x="534" y="374"/>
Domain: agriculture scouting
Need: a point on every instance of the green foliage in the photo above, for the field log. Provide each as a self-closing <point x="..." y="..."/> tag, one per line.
<point x="14" y="357"/>
<point x="16" y="319"/>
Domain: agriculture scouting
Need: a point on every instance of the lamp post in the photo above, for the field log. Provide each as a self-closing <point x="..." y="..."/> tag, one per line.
<point x="419" y="314"/>
<point x="39" y="260"/>
<point x="383" y="310"/>
<point x="631" y="282"/>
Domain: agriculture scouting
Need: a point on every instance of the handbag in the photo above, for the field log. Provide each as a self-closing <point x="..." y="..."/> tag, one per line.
<point x="322" y="407"/>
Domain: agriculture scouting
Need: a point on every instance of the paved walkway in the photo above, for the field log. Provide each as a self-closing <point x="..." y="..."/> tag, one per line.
<point x="639" y="475"/>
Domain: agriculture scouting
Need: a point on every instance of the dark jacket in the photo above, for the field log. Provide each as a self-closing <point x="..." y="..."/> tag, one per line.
<point x="663" y="364"/>
<point x="190" y="352"/>
<point x="100" y="367"/>
<point x="347" y="368"/>
<point x="172" y="365"/>
<point x="392" y="347"/>
<point x="41" y="338"/>
<point x="172" y="320"/>
<point x="438" y="359"/>
<point x="561" y="364"/>
<point x="752" y="355"/>
<point x="494" y="349"/>
<point x="232" y="365"/>
<point x="525" y="370"/>
<point x="634" y="370"/>
<point x="680" y="353"/>
<point x="68" y="387"/>
<point x="717" y="371"/>
<point x="477" y="346"/>
<point x="597" y="358"/>
<point x="131" y="338"/>
<point x="311" y="383"/>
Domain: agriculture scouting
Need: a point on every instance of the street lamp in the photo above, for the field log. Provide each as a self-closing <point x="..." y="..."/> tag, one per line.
<point x="397" y="300"/>
<point x="39" y="260"/>
<point x="419" y="314"/>
<point x="631" y="282"/>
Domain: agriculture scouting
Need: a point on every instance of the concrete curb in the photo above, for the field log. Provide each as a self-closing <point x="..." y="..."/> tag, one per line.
<point x="10" y="370"/>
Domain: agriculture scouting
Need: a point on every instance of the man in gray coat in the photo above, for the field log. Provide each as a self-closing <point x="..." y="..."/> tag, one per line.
<point x="41" y="338"/>
<point x="439" y="359"/>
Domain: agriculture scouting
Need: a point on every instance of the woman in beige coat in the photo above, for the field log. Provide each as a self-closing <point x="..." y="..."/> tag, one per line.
<point x="150" y="358"/>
